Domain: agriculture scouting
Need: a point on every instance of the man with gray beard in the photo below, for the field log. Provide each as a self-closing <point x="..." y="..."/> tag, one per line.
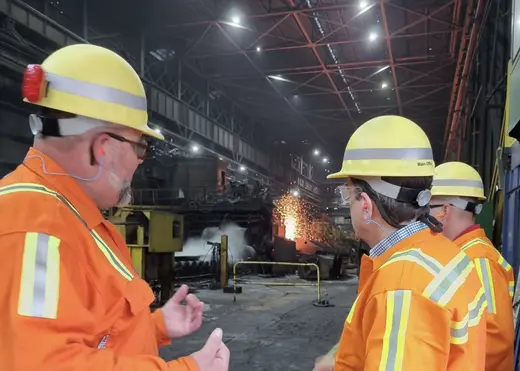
<point x="71" y="299"/>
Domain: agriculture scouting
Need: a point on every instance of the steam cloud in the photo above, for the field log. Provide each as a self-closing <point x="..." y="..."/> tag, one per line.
<point x="237" y="247"/>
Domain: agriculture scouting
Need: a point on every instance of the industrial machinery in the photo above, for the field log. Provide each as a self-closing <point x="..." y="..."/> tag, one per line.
<point x="153" y="235"/>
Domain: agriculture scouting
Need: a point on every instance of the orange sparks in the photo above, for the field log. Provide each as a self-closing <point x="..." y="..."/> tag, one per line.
<point x="293" y="213"/>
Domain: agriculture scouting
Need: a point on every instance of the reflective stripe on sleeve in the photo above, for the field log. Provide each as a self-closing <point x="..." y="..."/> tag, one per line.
<point x="442" y="288"/>
<point x="352" y="310"/>
<point x="105" y="249"/>
<point x="416" y="256"/>
<point x="459" y="329"/>
<point x="504" y="264"/>
<point x="95" y="91"/>
<point x="457" y="183"/>
<point x="388" y="154"/>
<point x="511" y="288"/>
<point x="40" y="280"/>
<point x="484" y="273"/>
<point x="397" y="314"/>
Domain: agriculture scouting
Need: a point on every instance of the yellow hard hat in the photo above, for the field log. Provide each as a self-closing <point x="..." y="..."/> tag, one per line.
<point x="91" y="81"/>
<point x="457" y="179"/>
<point x="387" y="146"/>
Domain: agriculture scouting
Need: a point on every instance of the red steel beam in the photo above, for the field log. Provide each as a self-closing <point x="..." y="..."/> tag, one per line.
<point x="390" y="55"/>
<point x="464" y="63"/>
<point x="318" y="44"/>
<point x="320" y="61"/>
<point x="351" y="66"/>
<point x="272" y="14"/>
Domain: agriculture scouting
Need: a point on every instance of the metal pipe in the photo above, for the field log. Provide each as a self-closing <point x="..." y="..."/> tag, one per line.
<point x="251" y="262"/>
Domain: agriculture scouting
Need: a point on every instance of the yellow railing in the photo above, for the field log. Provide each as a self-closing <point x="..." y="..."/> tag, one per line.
<point x="249" y="262"/>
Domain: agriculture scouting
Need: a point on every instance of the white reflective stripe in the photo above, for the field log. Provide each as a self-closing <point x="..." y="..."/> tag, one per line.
<point x="105" y="249"/>
<point x="96" y="92"/>
<point x="40" y="279"/>
<point x="388" y="154"/>
<point x="457" y="183"/>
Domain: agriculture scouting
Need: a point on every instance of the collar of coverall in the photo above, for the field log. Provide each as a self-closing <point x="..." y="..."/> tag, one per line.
<point x="65" y="186"/>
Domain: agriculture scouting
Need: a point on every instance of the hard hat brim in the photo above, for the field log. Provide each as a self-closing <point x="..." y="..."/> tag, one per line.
<point x="338" y="175"/>
<point x="153" y="133"/>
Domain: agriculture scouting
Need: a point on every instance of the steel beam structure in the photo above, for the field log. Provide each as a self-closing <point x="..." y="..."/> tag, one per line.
<point x="475" y="135"/>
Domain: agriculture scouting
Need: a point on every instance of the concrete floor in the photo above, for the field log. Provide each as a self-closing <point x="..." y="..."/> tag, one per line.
<point x="272" y="328"/>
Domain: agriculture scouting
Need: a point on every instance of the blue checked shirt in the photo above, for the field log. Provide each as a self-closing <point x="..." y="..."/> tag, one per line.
<point x="397" y="237"/>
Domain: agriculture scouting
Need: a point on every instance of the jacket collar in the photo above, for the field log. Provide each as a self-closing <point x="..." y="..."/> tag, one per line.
<point x="55" y="177"/>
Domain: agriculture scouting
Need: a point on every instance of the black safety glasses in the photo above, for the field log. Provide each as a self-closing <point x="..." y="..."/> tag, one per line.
<point x="141" y="148"/>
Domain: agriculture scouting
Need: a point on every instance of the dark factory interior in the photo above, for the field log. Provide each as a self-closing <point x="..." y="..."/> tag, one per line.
<point x="256" y="100"/>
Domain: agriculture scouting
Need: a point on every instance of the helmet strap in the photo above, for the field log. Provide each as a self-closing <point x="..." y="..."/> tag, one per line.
<point x="418" y="197"/>
<point x="462" y="204"/>
<point x="63" y="127"/>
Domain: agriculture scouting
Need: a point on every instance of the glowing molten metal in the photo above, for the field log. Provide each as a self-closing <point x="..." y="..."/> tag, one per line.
<point x="294" y="214"/>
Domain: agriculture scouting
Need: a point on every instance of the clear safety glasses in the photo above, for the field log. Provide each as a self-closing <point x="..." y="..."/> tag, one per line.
<point x="346" y="196"/>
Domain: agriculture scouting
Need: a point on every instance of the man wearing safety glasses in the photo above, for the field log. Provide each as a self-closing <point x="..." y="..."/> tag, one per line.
<point x="71" y="299"/>
<point x="458" y="194"/>
<point x="417" y="290"/>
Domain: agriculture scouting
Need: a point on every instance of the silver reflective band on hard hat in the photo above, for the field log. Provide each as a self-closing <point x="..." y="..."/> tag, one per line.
<point x="68" y="126"/>
<point x="388" y="153"/>
<point x="95" y="91"/>
<point x="392" y="190"/>
<point x="457" y="183"/>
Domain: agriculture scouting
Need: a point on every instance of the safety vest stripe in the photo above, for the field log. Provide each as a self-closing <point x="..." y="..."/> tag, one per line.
<point x="416" y="256"/>
<point x="504" y="263"/>
<point x="95" y="91"/>
<point x="40" y="279"/>
<point x="511" y="288"/>
<point x="397" y="314"/>
<point x="36" y="188"/>
<point x="114" y="260"/>
<point x="459" y="329"/>
<point x="352" y="310"/>
<point x="445" y="284"/>
<point x="457" y="183"/>
<point x="484" y="273"/>
<point x="388" y="154"/>
<point x="476" y="241"/>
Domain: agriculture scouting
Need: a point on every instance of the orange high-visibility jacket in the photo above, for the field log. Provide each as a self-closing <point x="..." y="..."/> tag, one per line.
<point x="498" y="281"/>
<point x="421" y="307"/>
<point x="70" y="297"/>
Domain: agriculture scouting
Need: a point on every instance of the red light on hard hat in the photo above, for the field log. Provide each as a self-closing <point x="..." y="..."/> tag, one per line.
<point x="34" y="85"/>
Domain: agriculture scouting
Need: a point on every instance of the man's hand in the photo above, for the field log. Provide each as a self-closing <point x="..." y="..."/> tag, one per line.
<point x="181" y="320"/>
<point x="324" y="363"/>
<point x="214" y="356"/>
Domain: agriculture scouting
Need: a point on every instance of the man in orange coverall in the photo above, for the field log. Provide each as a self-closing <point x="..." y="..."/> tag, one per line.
<point x="458" y="194"/>
<point x="421" y="306"/>
<point x="70" y="297"/>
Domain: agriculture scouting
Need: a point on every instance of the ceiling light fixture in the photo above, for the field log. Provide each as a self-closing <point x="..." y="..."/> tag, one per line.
<point x="235" y="19"/>
<point x="384" y="85"/>
<point x="316" y="152"/>
<point x="258" y="49"/>
<point x="372" y="36"/>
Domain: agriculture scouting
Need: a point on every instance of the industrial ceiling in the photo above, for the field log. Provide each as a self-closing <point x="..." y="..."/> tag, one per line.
<point x="318" y="69"/>
<point x="309" y="71"/>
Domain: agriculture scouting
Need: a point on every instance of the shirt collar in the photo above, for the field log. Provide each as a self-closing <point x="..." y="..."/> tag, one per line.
<point x="471" y="228"/>
<point x="66" y="186"/>
<point x="396" y="237"/>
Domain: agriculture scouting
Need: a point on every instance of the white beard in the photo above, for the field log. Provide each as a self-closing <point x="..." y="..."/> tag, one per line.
<point x="123" y="188"/>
